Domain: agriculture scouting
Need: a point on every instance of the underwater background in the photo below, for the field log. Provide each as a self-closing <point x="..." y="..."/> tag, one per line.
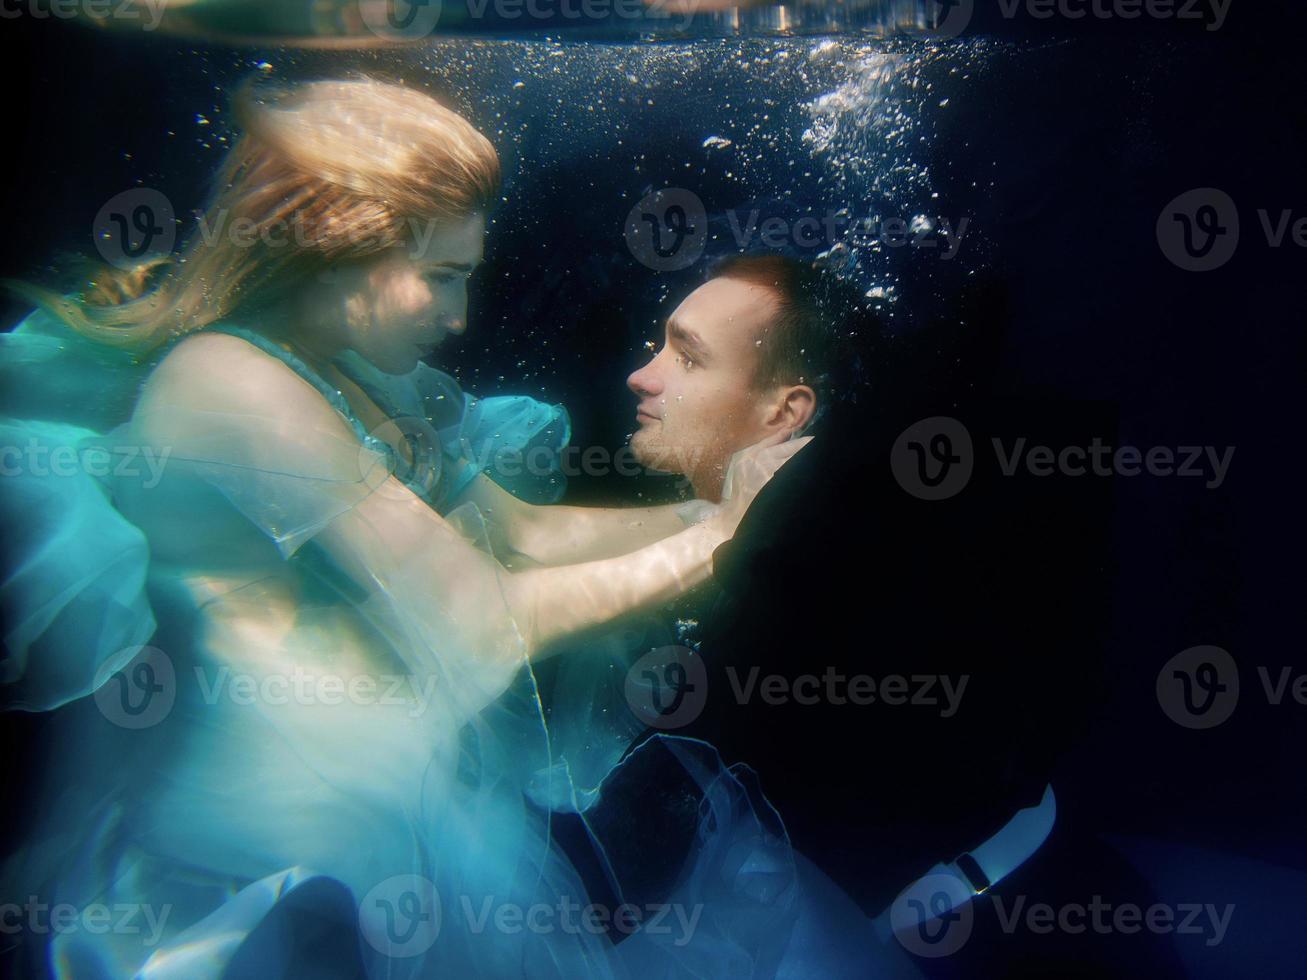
<point x="1059" y="142"/>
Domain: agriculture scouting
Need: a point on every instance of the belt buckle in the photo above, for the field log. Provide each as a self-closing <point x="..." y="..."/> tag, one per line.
<point x="972" y="873"/>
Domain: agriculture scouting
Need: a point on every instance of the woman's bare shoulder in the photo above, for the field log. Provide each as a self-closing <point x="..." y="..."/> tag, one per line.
<point x="212" y="369"/>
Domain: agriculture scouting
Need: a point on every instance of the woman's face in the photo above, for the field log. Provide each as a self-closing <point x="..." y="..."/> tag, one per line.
<point x="395" y="308"/>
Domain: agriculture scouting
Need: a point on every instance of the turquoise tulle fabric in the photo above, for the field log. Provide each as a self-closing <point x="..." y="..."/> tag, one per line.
<point x="284" y="772"/>
<point x="79" y="567"/>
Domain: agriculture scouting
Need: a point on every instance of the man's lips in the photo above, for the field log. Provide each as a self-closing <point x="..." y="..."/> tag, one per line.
<point x="641" y="414"/>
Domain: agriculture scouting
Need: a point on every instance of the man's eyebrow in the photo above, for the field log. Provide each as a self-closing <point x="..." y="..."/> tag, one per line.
<point x="456" y="266"/>
<point x="687" y="339"/>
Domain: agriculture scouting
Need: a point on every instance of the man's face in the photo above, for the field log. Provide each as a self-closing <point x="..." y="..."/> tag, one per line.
<point x="697" y="401"/>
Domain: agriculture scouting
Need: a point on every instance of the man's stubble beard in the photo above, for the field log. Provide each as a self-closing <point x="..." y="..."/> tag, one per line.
<point x="657" y="455"/>
<point x="654" y="454"/>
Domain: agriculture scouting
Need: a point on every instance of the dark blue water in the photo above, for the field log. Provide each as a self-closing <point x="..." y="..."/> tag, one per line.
<point x="1061" y="143"/>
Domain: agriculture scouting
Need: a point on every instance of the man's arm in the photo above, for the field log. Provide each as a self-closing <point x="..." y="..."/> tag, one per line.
<point x="559" y="534"/>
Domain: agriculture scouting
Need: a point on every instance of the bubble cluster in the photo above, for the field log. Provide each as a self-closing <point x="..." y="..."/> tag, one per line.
<point x="842" y="126"/>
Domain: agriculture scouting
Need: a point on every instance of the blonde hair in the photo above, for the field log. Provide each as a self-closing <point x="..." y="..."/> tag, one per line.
<point x="347" y="165"/>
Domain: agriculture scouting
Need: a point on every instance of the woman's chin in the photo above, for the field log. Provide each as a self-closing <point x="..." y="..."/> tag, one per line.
<point x="397" y="362"/>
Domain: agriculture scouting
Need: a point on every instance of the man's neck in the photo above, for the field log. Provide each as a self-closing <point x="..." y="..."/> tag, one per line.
<point x="709" y="482"/>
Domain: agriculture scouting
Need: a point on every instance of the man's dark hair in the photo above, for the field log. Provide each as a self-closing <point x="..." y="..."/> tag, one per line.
<point x="799" y="345"/>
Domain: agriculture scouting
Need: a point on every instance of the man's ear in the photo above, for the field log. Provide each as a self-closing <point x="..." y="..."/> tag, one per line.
<point x="794" y="408"/>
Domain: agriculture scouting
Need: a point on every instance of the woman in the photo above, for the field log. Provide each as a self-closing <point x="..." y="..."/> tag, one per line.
<point x="332" y="723"/>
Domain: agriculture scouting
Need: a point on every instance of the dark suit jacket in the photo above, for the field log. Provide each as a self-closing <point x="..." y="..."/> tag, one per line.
<point x="836" y="568"/>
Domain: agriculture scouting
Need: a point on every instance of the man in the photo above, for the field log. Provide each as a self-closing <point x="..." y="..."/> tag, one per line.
<point x="743" y="359"/>
<point x="901" y="673"/>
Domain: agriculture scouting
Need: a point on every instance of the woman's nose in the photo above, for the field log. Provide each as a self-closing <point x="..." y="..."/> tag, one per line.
<point x="454" y="315"/>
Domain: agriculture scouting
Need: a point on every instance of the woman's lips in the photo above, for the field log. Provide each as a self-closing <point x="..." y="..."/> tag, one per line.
<point x="643" y="416"/>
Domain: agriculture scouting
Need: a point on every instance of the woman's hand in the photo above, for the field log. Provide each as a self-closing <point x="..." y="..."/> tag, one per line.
<point x="746" y="474"/>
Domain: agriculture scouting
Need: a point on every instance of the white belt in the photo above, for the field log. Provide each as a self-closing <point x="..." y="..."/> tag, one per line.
<point x="947" y="886"/>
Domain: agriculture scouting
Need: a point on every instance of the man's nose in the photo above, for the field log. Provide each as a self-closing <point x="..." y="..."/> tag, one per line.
<point x="644" y="381"/>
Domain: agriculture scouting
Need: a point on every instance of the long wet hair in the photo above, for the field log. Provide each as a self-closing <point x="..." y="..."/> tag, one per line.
<point x="323" y="172"/>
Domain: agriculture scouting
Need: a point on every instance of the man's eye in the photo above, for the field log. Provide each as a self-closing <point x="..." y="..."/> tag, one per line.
<point x="685" y="361"/>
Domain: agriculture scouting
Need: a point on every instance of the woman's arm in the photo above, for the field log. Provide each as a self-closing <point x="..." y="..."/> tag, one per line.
<point x="561" y="601"/>
<point x="559" y="534"/>
<point x="388" y="539"/>
<point x="394" y="529"/>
